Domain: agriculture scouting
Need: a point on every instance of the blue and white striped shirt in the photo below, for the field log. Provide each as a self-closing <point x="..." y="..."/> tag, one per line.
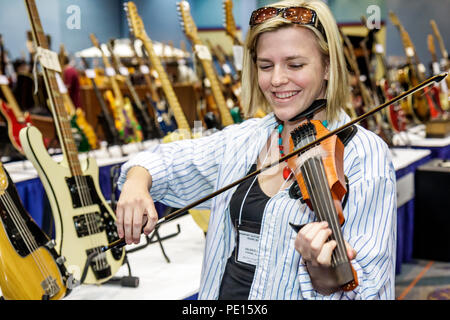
<point x="185" y="171"/>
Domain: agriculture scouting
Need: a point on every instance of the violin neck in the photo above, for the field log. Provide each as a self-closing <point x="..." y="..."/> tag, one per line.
<point x="324" y="207"/>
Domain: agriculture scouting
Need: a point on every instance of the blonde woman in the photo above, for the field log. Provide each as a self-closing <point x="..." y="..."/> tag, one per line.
<point x="293" y="67"/>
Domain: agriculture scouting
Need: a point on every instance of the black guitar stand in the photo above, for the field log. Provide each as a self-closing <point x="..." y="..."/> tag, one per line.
<point x="155" y="236"/>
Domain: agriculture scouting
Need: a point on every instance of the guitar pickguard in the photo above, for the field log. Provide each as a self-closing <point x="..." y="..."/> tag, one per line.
<point x="83" y="220"/>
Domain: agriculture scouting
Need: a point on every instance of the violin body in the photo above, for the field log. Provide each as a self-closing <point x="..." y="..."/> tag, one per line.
<point x="320" y="176"/>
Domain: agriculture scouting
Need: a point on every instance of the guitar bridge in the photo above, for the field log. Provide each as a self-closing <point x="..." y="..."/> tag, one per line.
<point x="99" y="264"/>
<point x="50" y="286"/>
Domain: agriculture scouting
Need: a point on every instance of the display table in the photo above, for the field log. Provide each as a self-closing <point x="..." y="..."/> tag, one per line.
<point x="405" y="163"/>
<point x="415" y="138"/>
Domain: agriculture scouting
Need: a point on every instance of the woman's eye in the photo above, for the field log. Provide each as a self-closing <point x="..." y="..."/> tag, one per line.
<point x="297" y="66"/>
<point x="264" y="66"/>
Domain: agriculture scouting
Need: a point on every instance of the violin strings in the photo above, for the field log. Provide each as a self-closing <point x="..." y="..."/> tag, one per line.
<point x="321" y="199"/>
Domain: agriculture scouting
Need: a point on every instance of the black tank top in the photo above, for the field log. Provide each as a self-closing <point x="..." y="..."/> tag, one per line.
<point x="238" y="277"/>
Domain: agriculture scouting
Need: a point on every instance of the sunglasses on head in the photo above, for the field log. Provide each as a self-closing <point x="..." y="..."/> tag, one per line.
<point x="298" y="15"/>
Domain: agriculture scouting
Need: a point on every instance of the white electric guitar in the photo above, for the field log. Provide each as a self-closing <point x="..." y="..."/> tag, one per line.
<point x="84" y="222"/>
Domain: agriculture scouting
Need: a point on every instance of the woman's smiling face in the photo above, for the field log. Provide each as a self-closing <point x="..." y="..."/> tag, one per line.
<point x="291" y="70"/>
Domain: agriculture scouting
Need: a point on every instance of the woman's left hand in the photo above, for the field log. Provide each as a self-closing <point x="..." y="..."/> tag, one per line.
<point x="312" y="243"/>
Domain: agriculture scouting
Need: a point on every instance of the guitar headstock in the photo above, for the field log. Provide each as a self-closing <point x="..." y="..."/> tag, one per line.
<point x="134" y="21"/>
<point x="3" y="180"/>
<point x="95" y="41"/>
<point x="431" y="48"/>
<point x="187" y="23"/>
<point x="394" y="19"/>
<point x="230" y="24"/>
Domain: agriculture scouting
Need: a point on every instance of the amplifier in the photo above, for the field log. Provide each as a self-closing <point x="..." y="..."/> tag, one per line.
<point x="432" y="211"/>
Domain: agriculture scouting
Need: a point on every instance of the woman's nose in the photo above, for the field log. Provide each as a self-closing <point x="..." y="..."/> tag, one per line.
<point x="279" y="76"/>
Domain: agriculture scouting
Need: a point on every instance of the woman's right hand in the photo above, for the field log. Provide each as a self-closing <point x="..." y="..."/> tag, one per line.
<point x="135" y="207"/>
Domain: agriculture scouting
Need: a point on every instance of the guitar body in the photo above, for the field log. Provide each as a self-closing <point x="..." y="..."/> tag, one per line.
<point x="166" y="123"/>
<point x="30" y="268"/>
<point x="79" y="136"/>
<point x="87" y="129"/>
<point x="14" y="125"/>
<point x="83" y="220"/>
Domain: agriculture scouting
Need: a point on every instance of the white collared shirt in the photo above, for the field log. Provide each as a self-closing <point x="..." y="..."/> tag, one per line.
<point x="187" y="170"/>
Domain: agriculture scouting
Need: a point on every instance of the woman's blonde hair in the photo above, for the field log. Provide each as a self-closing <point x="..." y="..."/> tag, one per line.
<point x="337" y="85"/>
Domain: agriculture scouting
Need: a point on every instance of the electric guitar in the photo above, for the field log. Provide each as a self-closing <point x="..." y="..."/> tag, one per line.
<point x="30" y="267"/>
<point x="121" y="107"/>
<point x="10" y="109"/>
<point x="423" y="106"/>
<point x="201" y="217"/>
<point x="83" y="220"/>
<point x="105" y="119"/>
<point x="164" y="115"/>
<point x="444" y="53"/>
<point x="137" y="28"/>
<point x="79" y="123"/>
<point x="146" y="122"/>
<point x="438" y="89"/>
<point x="204" y="56"/>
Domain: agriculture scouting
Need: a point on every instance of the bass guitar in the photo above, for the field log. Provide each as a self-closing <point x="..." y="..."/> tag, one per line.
<point x="83" y="219"/>
<point x="30" y="267"/>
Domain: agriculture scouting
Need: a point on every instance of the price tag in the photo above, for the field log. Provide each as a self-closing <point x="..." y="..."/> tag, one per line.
<point x="238" y="54"/>
<point x="226" y="68"/>
<point x="144" y="69"/>
<point x="410" y="52"/>
<point x="379" y="48"/>
<point x="124" y="71"/>
<point x="90" y="73"/>
<point x="4" y="80"/>
<point x="110" y="72"/>
<point x="62" y="87"/>
<point x="49" y="59"/>
<point x="202" y="52"/>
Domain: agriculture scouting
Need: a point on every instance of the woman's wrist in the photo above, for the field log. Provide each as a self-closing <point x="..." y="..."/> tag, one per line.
<point x="139" y="177"/>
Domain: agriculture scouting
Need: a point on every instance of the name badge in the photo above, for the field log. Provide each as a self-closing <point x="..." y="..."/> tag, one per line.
<point x="247" y="243"/>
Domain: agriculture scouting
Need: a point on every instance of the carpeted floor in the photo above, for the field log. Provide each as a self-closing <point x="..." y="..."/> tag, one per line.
<point x="423" y="280"/>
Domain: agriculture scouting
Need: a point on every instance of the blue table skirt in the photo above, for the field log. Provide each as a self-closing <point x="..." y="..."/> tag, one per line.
<point x="405" y="219"/>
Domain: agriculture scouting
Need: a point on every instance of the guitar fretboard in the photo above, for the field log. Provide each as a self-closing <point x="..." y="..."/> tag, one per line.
<point x="60" y="116"/>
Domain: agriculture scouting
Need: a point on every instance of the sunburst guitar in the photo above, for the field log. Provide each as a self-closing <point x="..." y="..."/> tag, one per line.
<point x="30" y="268"/>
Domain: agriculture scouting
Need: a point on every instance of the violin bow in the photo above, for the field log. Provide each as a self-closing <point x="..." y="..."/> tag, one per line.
<point x="437" y="78"/>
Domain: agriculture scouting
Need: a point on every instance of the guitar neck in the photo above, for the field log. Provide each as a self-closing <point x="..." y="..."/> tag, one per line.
<point x="60" y="116"/>
<point x="217" y="92"/>
<point x="171" y="97"/>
